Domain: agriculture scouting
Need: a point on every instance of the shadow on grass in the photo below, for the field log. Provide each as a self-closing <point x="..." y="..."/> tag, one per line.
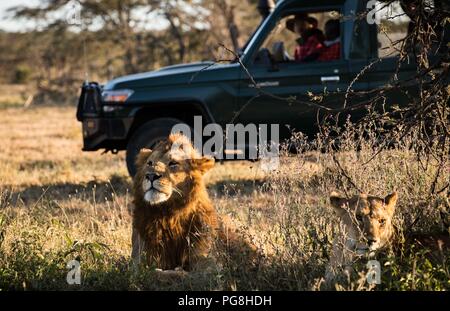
<point x="116" y="186"/>
<point x="232" y="188"/>
<point x="232" y="274"/>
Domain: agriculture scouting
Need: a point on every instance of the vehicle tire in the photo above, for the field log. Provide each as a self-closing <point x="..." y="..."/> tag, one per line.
<point x="147" y="136"/>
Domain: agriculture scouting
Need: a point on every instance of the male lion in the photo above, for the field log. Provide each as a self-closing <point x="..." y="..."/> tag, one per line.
<point x="367" y="227"/>
<point x="174" y="221"/>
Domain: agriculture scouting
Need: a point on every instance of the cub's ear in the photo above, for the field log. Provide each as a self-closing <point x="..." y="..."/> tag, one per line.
<point x="203" y="164"/>
<point x="337" y="201"/>
<point x="142" y="157"/>
<point x="390" y="201"/>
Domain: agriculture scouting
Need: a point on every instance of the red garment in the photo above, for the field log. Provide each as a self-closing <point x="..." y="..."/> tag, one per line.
<point x="311" y="46"/>
<point x="332" y="52"/>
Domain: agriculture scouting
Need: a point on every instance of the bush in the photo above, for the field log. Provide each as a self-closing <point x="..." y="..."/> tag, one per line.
<point x="22" y="74"/>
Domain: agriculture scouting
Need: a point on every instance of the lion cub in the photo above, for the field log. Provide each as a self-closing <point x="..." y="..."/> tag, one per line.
<point x="174" y="221"/>
<point x="367" y="227"/>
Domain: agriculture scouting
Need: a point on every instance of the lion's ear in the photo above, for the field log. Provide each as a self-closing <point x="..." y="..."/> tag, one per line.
<point x="203" y="164"/>
<point x="390" y="201"/>
<point x="337" y="201"/>
<point x="142" y="157"/>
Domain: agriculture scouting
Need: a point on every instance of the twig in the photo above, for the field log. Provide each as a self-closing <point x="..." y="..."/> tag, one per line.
<point x="345" y="174"/>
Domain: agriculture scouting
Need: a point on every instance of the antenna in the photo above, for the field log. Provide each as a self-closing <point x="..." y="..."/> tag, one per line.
<point x="86" y="65"/>
<point x="74" y="18"/>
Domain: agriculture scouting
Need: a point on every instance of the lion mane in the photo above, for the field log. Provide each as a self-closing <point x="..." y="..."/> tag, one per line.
<point x="179" y="232"/>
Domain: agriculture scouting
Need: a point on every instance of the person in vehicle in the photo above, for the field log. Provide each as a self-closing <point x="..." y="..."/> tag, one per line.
<point x="311" y="38"/>
<point x="332" y="45"/>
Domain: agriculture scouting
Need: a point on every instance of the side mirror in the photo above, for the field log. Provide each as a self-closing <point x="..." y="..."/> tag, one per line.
<point x="265" y="58"/>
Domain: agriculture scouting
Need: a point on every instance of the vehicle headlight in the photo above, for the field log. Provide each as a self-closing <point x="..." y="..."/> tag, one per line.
<point x="116" y="96"/>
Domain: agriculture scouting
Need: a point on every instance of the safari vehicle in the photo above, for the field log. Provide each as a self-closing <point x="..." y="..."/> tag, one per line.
<point x="136" y="111"/>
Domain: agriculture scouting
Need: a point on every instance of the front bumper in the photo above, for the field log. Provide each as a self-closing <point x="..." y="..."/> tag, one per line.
<point x="100" y="130"/>
<point x="105" y="133"/>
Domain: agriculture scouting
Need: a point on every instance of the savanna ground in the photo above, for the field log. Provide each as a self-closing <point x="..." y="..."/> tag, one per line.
<point x="58" y="204"/>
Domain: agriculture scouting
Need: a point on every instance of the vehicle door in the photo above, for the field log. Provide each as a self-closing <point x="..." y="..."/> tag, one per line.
<point x="281" y="91"/>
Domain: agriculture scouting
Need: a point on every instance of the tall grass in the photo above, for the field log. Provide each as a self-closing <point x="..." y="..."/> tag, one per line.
<point x="58" y="204"/>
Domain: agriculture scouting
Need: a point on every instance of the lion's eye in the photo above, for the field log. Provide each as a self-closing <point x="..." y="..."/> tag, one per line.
<point x="173" y="164"/>
<point x="382" y="222"/>
<point x="359" y="218"/>
<point x="150" y="163"/>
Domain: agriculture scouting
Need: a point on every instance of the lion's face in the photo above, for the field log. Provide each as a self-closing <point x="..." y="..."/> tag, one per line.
<point x="367" y="220"/>
<point x="170" y="170"/>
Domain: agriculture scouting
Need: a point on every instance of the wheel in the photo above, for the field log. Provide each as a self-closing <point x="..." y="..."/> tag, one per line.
<point x="147" y="136"/>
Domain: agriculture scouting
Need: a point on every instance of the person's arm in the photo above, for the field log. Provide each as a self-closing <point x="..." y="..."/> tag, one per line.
<point x="313" y="50"/>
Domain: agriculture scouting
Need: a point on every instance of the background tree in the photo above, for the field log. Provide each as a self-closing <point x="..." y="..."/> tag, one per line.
<point x="113" y="38"/>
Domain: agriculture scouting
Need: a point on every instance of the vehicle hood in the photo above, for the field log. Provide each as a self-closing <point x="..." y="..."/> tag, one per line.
<point x="176" y="74"/>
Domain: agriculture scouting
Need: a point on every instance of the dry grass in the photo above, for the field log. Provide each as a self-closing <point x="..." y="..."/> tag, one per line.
<point x="58" y="204"/>
<point x="14" y="95"/>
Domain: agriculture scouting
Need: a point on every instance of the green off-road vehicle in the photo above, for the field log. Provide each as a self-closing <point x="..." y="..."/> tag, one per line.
<point x="136" y="111"/>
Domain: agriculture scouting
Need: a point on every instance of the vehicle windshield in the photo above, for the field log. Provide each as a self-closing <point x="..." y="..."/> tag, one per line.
<point x="243" y="50"/>
<point x="251" y="37"/>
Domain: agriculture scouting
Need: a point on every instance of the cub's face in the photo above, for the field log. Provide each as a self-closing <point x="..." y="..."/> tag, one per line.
<point x="169" y="172"/>
<point x="367" y="220"/>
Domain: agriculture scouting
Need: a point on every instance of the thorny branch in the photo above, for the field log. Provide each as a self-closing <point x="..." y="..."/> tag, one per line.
<point x="426" y="116"/>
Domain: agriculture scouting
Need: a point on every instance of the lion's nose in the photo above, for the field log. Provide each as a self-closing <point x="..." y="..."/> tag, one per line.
<point x="152" y="177"/>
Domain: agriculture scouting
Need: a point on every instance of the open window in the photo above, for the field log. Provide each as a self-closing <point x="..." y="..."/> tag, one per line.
<point x="304" y="38"/>
<point x="393" y="25"/>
